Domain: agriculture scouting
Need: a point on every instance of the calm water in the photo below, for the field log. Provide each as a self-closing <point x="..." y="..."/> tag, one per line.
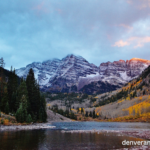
<point x="55" y="139"/>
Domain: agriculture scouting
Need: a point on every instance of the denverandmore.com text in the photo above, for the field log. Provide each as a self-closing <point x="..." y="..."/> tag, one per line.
<point x="135" y="142"/>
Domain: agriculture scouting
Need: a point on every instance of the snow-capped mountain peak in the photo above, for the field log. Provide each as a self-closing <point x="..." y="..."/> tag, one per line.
<point x="74" y="72"/>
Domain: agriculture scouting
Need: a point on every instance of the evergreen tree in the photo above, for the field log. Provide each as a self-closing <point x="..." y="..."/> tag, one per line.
<point x="67" y="113"/>
<point x="12" y="86"/>
<point x="134" y="94"/>
<point x="81" y="110"/>
<point x="40" y="101"/>
<point x="24" y="100"/>
<point x="21" y="114"/>
<point x="24" y="105"/>
<point x="29" y="119"/>
<point x="33" y="96"/>
<point x="7" y="108"/>
<point x="21" y="80"/>
<point x="143" y="92"/>
<point x="13" y="102"/>
<point x="72" y="116"/>
<point x="10" y="89"/>
<point x="94" y="116"/>
<point x="30" y="82"/>
<point x="22" y="91"/>
<point x="42" y="110"/>
<point x="86" y="114"/>
<point x="90" y="115"/>
<point x="78" y="109"/>
<point x="2" y="78"/>
<point x="4" y="101"/>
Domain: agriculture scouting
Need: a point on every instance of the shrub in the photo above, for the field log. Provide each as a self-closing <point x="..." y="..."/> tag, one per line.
<point x="29" y="119"/>
<point x="2" y="121"/>
<point x="6" y="122"/>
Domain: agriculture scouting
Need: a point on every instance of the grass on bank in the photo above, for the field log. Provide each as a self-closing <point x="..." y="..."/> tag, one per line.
<point x="7" y="119"/>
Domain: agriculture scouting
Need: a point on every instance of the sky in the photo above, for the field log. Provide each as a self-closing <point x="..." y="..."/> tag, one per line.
<point x="99" y="31"/>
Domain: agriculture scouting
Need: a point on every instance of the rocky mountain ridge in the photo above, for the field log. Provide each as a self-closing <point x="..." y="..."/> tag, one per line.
<point x="73" y="73"/>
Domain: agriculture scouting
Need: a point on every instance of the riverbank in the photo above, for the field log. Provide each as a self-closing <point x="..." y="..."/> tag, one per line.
<point x="8" y="122"/>
<point x="26" y="127"/>
<point x="143" y="134"/>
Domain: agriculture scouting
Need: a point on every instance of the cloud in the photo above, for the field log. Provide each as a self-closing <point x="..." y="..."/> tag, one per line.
<point x="140" y="4"/>
<point x="125" y="26"/>
<point x="137" y="42"/>
<point x="121" y="43"/>
<point x="42" y="7"/>
<point x="41" y="29"/>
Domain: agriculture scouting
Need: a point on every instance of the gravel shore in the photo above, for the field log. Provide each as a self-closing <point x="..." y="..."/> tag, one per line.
<point x="27" y="127"/>
<point x="52" y="117"/>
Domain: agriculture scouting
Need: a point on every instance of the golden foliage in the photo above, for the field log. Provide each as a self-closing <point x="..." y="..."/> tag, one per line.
<point x="139" y="108"/>
<point x="120" y="101"/>
<point x="6" y="122"/>
<point x="128" y="98"/>
<point x="96" y="97"/>
<point x="74" y="110"/>
<point x="140" y="98"/>
<point x="141" y="118"/>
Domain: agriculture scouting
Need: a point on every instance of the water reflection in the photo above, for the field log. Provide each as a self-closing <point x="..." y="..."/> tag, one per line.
<point x="21" y="140"/>
<point x="74" y="141"/>
<point x="56" y="140"/>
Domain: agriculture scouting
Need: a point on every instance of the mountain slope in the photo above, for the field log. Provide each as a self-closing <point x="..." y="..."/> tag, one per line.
<point x="98" y="87"/>
<point x="6" y="74"/>
<point x="125" y="70"/>
<point x="42" y="71"/>
<point x="132" y="100"/>
<point x="74" y="73"/>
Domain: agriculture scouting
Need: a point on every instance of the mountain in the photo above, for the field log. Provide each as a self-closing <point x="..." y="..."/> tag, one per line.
<point x="116" y="73"/>
<point x="43" y="71"/>
<point x="131" y="102"/>
<point x="74" y="73"/>
<point x="60" y="75"/>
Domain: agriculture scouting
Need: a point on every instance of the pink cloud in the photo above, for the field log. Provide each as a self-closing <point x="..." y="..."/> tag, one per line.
<point x="42" y="7"/>
<point x="125" y="26"/>
<point x="121" y="43"/>
<point x="135" y="41"/>
<point x="141" y="4"/>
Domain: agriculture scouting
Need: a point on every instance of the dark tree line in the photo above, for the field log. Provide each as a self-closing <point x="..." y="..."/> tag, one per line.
<point x="66" y="113"/>
<point x="21" y="97"/>
<point x="91" y="114"/>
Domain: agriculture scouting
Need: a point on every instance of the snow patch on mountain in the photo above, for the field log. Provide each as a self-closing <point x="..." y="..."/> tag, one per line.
<point x="124" y="76"/>
<point x="75" y="72"/>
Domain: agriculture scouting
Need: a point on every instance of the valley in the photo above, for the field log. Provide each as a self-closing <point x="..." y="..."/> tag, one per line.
<point x="127" y="104"/>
